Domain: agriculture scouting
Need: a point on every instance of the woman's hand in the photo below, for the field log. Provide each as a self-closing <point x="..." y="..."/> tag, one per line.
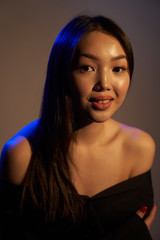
<point x="148" y="221"/>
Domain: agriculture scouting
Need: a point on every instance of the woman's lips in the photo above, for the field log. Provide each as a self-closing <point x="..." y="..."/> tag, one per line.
<point x="101" y="102"/>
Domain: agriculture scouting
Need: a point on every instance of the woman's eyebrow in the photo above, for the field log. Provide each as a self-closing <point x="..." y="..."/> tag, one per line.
<point x="88" y="55"/>
<point x="119" y="57"/>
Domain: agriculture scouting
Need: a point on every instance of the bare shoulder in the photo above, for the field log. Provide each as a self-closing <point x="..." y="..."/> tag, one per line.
<point x="16" y="155"/>
<point x="140" y="146"/>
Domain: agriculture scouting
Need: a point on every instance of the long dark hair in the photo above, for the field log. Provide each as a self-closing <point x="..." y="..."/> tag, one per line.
<point x="48" y="177"/>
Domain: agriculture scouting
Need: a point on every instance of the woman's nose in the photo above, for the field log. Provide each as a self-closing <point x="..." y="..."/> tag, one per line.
<point x="103" y="82"/>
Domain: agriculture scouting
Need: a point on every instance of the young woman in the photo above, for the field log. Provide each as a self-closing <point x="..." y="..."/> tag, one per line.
<point x="76" y="172"/>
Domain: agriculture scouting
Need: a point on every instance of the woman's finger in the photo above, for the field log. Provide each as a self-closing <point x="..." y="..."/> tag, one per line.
<point x="141" y="212"/>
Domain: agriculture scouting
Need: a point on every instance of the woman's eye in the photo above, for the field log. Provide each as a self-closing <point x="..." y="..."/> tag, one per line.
<point x="119" y="69"/>
<point x="87" y="68"/>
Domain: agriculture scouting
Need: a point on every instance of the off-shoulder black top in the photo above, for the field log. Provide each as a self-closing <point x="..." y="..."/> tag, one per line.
<point x="111" y="214"/>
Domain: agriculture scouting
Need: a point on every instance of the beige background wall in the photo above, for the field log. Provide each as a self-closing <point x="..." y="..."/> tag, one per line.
<point x="27" y="31"/>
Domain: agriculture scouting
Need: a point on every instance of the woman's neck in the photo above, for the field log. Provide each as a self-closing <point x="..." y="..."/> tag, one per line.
<point x="95" y="133"/>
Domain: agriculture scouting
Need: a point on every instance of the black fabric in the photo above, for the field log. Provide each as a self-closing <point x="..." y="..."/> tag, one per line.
<point x="111" y="214"/>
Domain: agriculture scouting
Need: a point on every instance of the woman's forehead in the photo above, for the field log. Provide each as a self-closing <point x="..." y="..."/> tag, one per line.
<point x="96" y="44"/>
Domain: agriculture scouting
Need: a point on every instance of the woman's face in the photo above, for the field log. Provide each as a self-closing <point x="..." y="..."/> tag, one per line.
<point x="99" y="77"/>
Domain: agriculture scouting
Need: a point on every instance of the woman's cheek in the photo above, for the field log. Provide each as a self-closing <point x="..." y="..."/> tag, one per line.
<point x="82" y="85"/>
<point x="122" y="86"/>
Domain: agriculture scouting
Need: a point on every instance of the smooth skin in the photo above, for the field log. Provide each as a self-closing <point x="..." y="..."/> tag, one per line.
<point x="105" y="152"/>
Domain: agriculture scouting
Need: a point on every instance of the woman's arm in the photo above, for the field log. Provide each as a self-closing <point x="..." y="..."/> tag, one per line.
<point x="135" y="228"/>
<point x="149" y="220"/>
